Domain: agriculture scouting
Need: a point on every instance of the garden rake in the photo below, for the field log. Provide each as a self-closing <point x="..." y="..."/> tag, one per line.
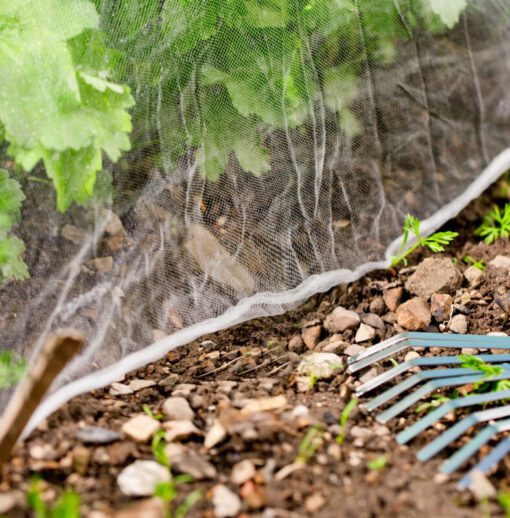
<point x="433" y="379"/>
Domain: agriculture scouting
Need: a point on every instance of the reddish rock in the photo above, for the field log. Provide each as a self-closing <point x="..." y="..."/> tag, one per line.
<point x="311" y="336"/>
<point x="441" y="306"/>
<point x="393" y="297"/>
<point x="414" y="315"/>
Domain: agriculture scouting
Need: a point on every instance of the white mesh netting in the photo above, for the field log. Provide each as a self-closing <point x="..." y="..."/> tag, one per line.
<point x="276" y="147"/>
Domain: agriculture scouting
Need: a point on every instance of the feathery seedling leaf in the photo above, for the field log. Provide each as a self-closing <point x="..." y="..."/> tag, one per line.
<point x="495" y="224"/>
<point x="479" y="265"/>
<point x="344" y="417"/>
<point x="309" y="445"/>
<point x="436" y="242"/>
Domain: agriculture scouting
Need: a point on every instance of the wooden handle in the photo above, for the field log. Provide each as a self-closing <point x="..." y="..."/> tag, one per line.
<point x="55" y="354"/>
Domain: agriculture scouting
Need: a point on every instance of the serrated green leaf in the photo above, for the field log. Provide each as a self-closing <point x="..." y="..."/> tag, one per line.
<point x="448" y="11"/>
<point x="11" y="262"/>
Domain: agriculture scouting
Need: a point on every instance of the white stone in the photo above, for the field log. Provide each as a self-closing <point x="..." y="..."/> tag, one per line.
<point x="226" y="503"/>
<point x="140" y="428"/>
<point x="119" y="389"/>
<point x="501" y="261"/>
<point x="242" y="472"/>
<point x="142" y="477"/>
<point x="264" y="404"/>
<point x="480" y="486"/>
<point x="179" y="430"/>
<point x="341" y="319"/>
<point x="364" y="333"/>
<point x="320" y="365"/>
<point x="458" y="324"/>
<point x="215" y="435"/>
<point x="473" y="276"/>
<point x="178" y="408"/>
<point x="136" y="384"/>
<point x="354" y="349"/>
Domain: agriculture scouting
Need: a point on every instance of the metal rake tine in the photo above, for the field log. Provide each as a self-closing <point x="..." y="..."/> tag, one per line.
<point x="430" y="387"/>
<point x="469" y="449"/>
<point x="458" y="429"/>
<point x="412" y="343"/>
<point x="502" y="342"/>
<point x="403" y="367"/>
<point x="490" y="460"/>
<point x="412" y="381"/>
<point x="433" y="417"/>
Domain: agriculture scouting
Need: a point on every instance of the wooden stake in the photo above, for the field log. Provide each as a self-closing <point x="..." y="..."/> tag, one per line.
<point x="55" y="354"/>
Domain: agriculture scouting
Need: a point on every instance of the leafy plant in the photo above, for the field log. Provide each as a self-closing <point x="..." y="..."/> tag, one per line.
<point x="503" y="498"/>
<point x="11" y="248"/>
<point x="378" y="464"/>
<point x="435" y="401"/>
<point x="12" y="369"/>
<point x="344" y="417"/>
<point x="168" y="491"/>
<point x="309" y="445"/>
<point x="67" y="505"/>
<point x="479" y="265"/>
<point x="436" y="242"/>
<point x="495" y="224"/>
<point x="150" y="413"/>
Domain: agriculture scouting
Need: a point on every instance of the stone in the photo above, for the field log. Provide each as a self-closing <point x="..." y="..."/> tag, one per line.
<point x="414" y="315"/>
<point x="178" y="408"/>
<point x="441" y="306"/>
<point x="179" y="430"/>
<point x="341" y="319"/>
<point x="10" y="500"/>
<point x="411" y="355"/>
<point x="373" y="321"/>
<point x="501" y="261"/>
<point x="320" y="365"/>
<point x="393" y="297"/>
<point x="140" y="428"/>
<point x="190" y="463"/>
<point x="264" y="404"/>
<point x="311" y="336"/>
<point x="80" y="458"/>
<point x="498" y="351"/>
<point x="215" y="435"/>
<point x="377" y="306"/>
<point x="334" y="347"/>
<point x="242" y="472"/>
<point x="353" y="349"/>
<point x="253" y="495"/>
<point x="480" y="486"/>
<point x="96" y="435"/>
<point x="114" y="227"/>
<point x="296" y="344"/>
<point x="315" y="502"/>
<point x="100" y="264"/>
<point x="184" y="389"/>
<point x="142" y="477"/>
<point x="434" y="275"/>
<point x="169" y="382"/>
<point x="147" y="508"/>
<point x="136" y="384"/>
<point x="458" y="324"/>
<point x="119" y="389"/>
<point x="226" y="503"/>
<point x="473" y="276"/>
<point x="74" y="234"/>
<point x="364" y="333"/>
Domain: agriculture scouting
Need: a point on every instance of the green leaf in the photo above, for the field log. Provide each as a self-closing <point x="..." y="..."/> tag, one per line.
<point x="11" y="259"/>
<point x="448" y="11"/>
<point x="12" y="368"/>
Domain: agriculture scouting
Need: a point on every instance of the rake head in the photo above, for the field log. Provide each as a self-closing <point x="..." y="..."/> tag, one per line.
<point x="429" y="380"/>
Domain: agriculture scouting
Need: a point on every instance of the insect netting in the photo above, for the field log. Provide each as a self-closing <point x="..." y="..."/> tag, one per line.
<point x="191" y="164"/>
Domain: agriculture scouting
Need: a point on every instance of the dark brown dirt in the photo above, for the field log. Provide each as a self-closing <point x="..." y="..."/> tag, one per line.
<point x="336" y="481"/>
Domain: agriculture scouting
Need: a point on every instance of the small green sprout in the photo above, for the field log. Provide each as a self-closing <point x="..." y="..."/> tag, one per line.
<point x="344" y="417"/>
<point x="436" y="242"/>
<point x="495" y="224"/>
<point x="378" y="464"/>
<point x="12" y="369"/>
<point x="503" y="498"/>
<point x="479" y="265"/>
<point x="150" y="413"/>
<point x="67" y="505"/>
<point x="489" y="371"/>
<point x="167" y="491"/>
<point x="436" y="401"/>
<point x="309" y="445"/>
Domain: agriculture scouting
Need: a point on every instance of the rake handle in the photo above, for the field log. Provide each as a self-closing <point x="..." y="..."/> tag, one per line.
<point x="55" y="354"/>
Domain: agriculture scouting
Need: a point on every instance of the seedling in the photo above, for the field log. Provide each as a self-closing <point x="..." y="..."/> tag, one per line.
<point x="378" y="464"/>
<point x="503" y="498"/>
<point x="12" y="369"/>
<point x="436" y="401"/>
<point x="479" y="265"/>
<point x="489" y="371"/>
<point x="495" y="224"/>
<point x="167" y="491"/>
<point x="436" y="242"/>
<point x="67" y="506"/>
<point x="309" y="445"/>
<point x="344" y="417"/>
<point x="150" y="413"/>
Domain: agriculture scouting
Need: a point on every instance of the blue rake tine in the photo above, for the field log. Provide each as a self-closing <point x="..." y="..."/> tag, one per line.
<point x="402" y="345"/>
<point x="404" y="367"/>
<point x="412" y="431"/>
<point x="490" y="460"/>
<point x="412" y="381"/>
<point x="430" y="387"/>
<point x="458" y="429"/>
<point x="430" y="337"/>
<point x="499" y="342"/>
<point x="469" y="449"/>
